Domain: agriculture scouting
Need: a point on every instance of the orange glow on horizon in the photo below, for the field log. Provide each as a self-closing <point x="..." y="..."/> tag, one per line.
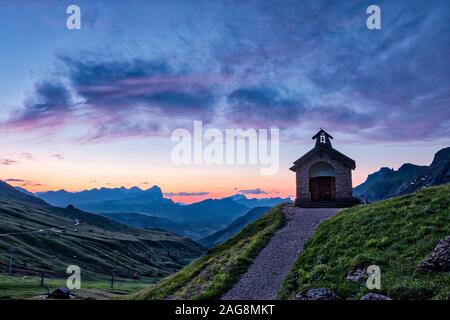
<point x="283" y="187"/>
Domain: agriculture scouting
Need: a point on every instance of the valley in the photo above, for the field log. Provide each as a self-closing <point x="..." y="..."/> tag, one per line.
<point x="49" y="239"/>
<point x="150" y="209"/>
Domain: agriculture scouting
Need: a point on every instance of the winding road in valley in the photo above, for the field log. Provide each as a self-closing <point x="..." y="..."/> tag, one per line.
<point x="264" y="277"/>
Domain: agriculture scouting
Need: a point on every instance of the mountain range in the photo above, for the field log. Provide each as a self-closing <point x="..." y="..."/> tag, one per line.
<point x="131" y="206"/>
<point x="62" y="198"/>
<point x="387" y="183"/>
<point x="261" y="202"/>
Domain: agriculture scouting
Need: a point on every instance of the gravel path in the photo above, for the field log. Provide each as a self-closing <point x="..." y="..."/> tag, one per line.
<point x="265" y="276"/>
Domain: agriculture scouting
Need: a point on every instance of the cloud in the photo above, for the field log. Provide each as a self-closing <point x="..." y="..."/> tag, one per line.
<point x="47" y="106"/>
<point x="185" y="194"/>
<point x="57" y="156"/>
<point x="116" y="98"/>
<point x="343" y="118"/>
<point x="154" y="84"/>
<point x="31" y="183"/>
<point x="253" y="191"/>
<point x="14" y="180"/>
<point x="375" y="85"/>
<point x="27" y="155"/>
<point x="263" y="107"/>
<point x="262" y="65"/>
<point x="7" y="162"/>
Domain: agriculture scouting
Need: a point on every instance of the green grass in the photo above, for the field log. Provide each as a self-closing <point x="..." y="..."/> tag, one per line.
<point x="395" y="234"/>
<point x="28" y="287"/>
<point x="217" y="271"/>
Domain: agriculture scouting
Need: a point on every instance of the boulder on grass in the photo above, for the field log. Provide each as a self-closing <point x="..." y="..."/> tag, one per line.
<point x="60" y="293"/>
<point x="374" y="296"/>
<point x="439" y="258"/>
<point x="318" y="294"/>
<point x="357" y="275"/>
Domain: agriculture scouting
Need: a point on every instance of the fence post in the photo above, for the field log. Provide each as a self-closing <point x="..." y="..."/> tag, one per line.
<point x="42" y="278"/>
<point x="11" y="252"/>
<point x="114" y="269"/>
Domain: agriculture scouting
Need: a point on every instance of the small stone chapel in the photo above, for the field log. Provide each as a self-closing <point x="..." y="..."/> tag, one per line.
<point x="323" y="175"/>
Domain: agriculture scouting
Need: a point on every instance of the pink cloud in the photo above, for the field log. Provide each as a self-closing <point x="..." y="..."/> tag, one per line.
<point x="7" y="162"/>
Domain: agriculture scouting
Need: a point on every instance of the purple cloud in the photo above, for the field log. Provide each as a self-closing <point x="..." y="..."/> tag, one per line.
<point x="57" y="156"/>
<point x="27" y="155"/>
<point x="48" y="106"/>
<point x="14" y="180"/>
<point x="253" y="191"/>
<point x="185" y="194"/>
<point x="116" y="98"/>
<point x="7" y="162"/>
<point x="31" y="183"/>
<point x="154" y="84"/>
<point x="265" y="64"/>
<point x="263" y="107"/>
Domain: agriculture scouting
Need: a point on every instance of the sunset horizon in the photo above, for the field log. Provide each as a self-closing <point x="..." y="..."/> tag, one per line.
<point x="32" y="184"/>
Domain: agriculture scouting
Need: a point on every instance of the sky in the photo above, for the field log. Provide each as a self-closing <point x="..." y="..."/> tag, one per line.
<point x="96" y="107"/>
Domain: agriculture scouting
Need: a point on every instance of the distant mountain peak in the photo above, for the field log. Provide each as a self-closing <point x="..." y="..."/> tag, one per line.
<point x="155" y="188"/>
<point x="386" y="183"/>
<point x="10" y="192"/>
<point x="23" y="190"/>
<point x="62" y="198"/>
<point x="258" y="202"/>
<point x="239" y="196"/>
<point x="408" y="166"/>
<point x="441" y="155"/>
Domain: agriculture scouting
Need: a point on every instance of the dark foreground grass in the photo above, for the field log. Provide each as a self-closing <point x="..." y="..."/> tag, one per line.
<point x="221" y="267"/>
<point x="395" y="234"/>
<point x="28" y="287"/>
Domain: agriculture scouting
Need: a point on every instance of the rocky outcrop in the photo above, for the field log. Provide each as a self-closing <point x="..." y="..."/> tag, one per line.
<point x="374" y="296"/>
<point x="318" y="294"/>
<point x="409" y="178"/>
<point x="358" y="275"/>
<point x="439" y="258"/>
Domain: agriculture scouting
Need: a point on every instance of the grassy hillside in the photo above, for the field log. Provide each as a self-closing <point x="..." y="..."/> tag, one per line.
<point x="50" y="239"/>
<point x="144" y="221"/>
<point x="234" y="227"/>
<point x="395" y="234"/>
<point x="217" y="271"/>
